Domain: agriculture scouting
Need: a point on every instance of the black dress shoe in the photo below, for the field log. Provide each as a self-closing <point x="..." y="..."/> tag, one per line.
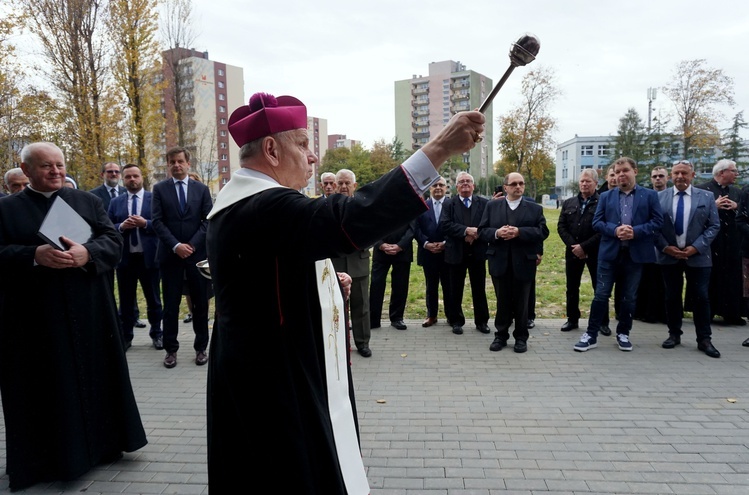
<point x="201" y="358"/>
<point x="365" y="352"/>
<point x="399" y="325"/>
<point x="671" y="342"/>
<point x="483" y="328"/>
<point x="497" y="345"/>
<point x="605" y="330"/>
<point x="520" y="346"/>
<point x="170" y="361"/>
<point x="458" y="329"/>
<point x="531" y="324"/>
<point x="127" y="344"/>
<point x="139" y="324"/>
<point x="570" y="325"/>
<point x="737" y="321"/>
<point x="188" y="319"/>
<point x="158" y="343"/>
<point x="745" y="343"/>
<point x="706" y="346"/>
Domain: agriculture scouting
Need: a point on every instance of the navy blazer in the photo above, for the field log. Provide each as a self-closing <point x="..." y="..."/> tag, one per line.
<point x="701" y="228"/>
<point x="647" y="219"/>
<point x="524" y="249"/>
<point x="173" y="226"/>
<point x="118" y="213"/>
<point x="102" y="192"/>
<point x="427" y="229"/>
<point x="454" y="228"/>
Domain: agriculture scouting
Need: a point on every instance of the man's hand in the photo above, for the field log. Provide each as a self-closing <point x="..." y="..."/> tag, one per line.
<point x="345" y="280"/>
<point x="184" y="250"/>
<point x="134" y="222"/>
<point x="434" y="247"/>
<point x="472" y="233"/>
<point x="725" y="203"/>
<point x="508" y="232"/>
<point x="458" y="136"/>
<point x="50" y="257"/>
<point x="578" y="251"/>
<point x="625" y="232"/>
<point x="77" y="251"/>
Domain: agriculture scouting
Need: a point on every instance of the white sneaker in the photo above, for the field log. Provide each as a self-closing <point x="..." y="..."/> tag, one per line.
<point x="623" y="341"/>
<point x="586" y="342"/>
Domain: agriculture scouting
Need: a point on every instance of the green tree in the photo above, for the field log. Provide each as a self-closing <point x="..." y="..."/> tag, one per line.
<point x="695" y="91"/>
<point x="631" y="138"/>
<point x="733" y="147"/>
<point x="525" y="141"/>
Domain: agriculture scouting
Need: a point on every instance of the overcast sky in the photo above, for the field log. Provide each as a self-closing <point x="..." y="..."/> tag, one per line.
<point x="342" y="58"/>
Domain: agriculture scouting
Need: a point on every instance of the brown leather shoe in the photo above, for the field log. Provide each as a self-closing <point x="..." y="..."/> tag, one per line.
<point x="170" y="361"/>
<point x="201" y="358"/>
<point x="429" y="322"/>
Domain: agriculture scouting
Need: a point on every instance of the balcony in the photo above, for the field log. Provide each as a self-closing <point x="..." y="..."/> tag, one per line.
<point x="420" y="123"/>
<point x="423" y="90"/>
<point x="420" y="113"/>
<point x="462" y="95"/>
<point x="460" y="84"/>
<point x="420" y="134"/>
<point x="420" y="101"/>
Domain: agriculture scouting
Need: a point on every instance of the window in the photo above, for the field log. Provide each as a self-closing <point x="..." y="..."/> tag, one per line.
<point x="222" y="133"/>
<point x="221" y="97"/>
<point x="222" y="146"/>
<point x="222" y="109"/>
<point x="222" y="121"/>
<point x="223" y="170"/>
<point x="586" y="150"/>
<point x="223" y="157"/>
<point x="221" y="84"/>
<point x="221" y="72"/>
<point x="603" y="150"/>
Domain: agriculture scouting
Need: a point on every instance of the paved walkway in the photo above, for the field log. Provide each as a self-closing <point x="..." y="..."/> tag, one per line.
<point x="442" y="415"/>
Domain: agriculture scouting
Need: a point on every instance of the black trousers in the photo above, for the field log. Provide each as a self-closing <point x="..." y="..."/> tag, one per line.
<point x="573" y="269"/>
<point x="512" y="303"/>
<point x="399" y="278"/>
<point x="436" y="272"/>
<point x="477" y="274"/>
<point x="127" y="284"/>
<point x="175" y="272"/>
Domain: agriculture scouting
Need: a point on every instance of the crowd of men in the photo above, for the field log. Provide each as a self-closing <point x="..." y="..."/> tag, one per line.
<point x="313" y="278"/>
<point x="638" y="244"/>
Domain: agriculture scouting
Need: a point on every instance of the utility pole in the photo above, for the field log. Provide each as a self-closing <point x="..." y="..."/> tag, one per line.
<point x="652" y="93"/>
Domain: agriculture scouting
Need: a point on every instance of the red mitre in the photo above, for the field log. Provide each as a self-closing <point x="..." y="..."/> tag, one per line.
<point x="266" y="115"/>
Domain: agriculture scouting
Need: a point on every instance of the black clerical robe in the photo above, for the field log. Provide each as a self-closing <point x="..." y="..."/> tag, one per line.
<point x="267" y="399"/>
<point x="66" y="392"/>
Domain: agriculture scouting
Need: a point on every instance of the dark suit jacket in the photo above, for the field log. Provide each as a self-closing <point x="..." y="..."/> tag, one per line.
<point x="647" y="220"/>
<point x="576" y="226"/>
<point x="174" y="227"/>
<point x="118" y="213"/>
<point x="404" y="238"/>
<point x="702" y="226"/>
<point x="453" y="227"/>
<point x="103" y="193"/>
<point x="427" y="229"/>
<point x="524" y="249"/>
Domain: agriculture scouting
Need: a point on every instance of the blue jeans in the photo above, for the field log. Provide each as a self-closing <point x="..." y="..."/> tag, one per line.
<point x="627" y="274"/>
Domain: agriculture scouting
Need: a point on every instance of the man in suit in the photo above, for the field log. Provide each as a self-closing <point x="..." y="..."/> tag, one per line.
<point x="131" y="215"/>
<point x="430" y="253"/>
<point x="514" y="229"/>
<point x="726" y="284"/>
<point x="575" y="228"/>
<point x="180" y="207"/>
<point x="327" y="183"/>
<point x="690" y="224"/>
<point x="111" y="188"/>
<point x="628" y="219"/>
<point x="356" y="264"/>
<point x="393" y="253"/>
<point x="464" y="251"/>
<point x="15" y="180"/>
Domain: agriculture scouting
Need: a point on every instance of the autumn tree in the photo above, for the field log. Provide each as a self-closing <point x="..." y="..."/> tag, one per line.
<point x="525" y="140"/>
<point x="696" y="90"/>
<point x="74" y="47"/>
<point x="132" y="26"/>
<point x="178" y="35"/>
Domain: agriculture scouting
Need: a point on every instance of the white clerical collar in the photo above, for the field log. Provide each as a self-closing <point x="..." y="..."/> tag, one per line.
<point x="243" y="184"/>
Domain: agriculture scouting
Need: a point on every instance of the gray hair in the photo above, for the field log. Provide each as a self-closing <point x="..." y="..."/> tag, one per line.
<point x="593" y="173"/>
<point x="326" y="174"/>
<point x="13" y="172"/>
<point x="346" y="171"/>
<point x="251" y="149"/>
<point x="722" y="165"/>
<point x="28" y="151"/>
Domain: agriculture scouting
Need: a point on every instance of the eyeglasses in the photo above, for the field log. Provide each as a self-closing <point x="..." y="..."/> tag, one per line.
<point x="515" y="184"/>
<point x="465" y="181"/>
<point x="734" y="170"/>
<point x="113" y="172"/>
<point x="438" y="185"/>
<point x="657" y="176"/>
<point x="682" y="162"/>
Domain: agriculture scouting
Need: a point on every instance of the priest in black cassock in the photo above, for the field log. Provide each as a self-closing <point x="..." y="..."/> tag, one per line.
<point x="66" y="392"/>
<point x="278" y="348"/>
